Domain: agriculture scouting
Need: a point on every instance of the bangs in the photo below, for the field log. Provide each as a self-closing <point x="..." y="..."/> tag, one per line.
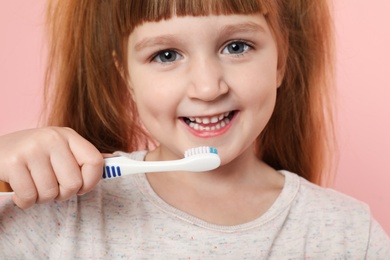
<point x="134" y="12"/>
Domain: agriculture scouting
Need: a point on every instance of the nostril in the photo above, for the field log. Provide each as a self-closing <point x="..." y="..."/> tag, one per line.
<point x="208" y="90"/>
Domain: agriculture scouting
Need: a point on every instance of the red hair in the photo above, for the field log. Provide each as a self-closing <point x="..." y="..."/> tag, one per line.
<point x="85" y="90"/>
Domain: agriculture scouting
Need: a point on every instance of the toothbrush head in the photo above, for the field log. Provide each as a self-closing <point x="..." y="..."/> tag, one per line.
<point x="204" y="158"/>
<point x="200" y="150"/>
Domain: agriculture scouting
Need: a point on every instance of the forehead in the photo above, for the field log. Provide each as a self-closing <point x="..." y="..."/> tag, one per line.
<point x="132" y="13"/>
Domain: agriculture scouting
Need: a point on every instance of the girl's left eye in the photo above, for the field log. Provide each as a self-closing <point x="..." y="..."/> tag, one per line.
<point x="166" y="56"/>
<point x="237" y="47"/>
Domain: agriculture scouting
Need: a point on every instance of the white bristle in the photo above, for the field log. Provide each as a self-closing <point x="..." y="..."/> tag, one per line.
<point x="200" y="150"/>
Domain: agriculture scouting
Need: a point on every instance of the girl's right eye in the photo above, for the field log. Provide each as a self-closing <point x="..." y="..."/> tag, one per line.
<point x="166" y="56"/>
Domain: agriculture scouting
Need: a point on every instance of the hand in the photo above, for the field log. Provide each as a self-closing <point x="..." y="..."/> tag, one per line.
<point x="52" y="163"/>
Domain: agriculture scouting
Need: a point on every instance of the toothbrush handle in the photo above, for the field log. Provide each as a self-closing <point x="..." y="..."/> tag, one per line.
<point x="120" y="166"/>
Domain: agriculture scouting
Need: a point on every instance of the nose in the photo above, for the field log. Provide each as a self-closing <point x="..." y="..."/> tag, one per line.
<point x="207" y="79"/>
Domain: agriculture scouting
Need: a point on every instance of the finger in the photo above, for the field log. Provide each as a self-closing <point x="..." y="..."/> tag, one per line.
<point x="44" y="178"/>
<point x="68" y="173"/>
<point x="90" y="161"/>
<point x="23" y="185"/>
<point x="91" y="172"/>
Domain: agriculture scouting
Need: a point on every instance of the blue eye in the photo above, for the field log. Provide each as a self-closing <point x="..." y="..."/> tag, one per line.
<point x="237" y="47"/>
<point x="166" y="56"/>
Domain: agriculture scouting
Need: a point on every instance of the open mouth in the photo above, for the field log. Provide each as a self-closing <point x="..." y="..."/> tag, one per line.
<point x="209" y="123"/>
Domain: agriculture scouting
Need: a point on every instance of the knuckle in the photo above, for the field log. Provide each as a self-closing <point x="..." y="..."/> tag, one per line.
<point x="44" y="137"/>
<point x="74" y="186"/>
<point x="69" y="190"/>
<point x="14" y="160"/>
<point x="27" y="198"/>
<point x="96" y="161"/>
<point x="50" y="134"/>
<point x="48" y="194"/>
<point x="23" y="205"/>
<point x="69" y="130"/>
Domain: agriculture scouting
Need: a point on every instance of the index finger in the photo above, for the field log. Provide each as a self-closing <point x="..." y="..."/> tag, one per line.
<point x="89" y="159"/>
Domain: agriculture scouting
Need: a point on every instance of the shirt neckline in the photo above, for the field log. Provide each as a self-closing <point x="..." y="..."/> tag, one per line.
<point x="282" y="203"/>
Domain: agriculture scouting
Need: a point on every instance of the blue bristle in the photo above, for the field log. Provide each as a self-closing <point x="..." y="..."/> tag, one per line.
<point x="213" y="150"/>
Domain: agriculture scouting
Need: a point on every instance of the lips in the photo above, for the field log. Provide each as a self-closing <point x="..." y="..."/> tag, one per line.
<point x="209" y="123"/>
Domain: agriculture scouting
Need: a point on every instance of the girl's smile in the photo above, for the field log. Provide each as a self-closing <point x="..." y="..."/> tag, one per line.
<point x="210" y="126"/>
<point x="204" y="81"/>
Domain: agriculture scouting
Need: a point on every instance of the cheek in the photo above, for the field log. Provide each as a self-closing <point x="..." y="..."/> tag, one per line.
<point x="150" y="112"/>
<point x="146" y="105"/>
<point x="156" y="105"/>
<point x="257" y="92"/>
<point x="144" y="91"/>
<point x="261" y="104"/>
<point x="257" y="88"/>
<point x="149" y="103"/>
<point x="151" y="100"/>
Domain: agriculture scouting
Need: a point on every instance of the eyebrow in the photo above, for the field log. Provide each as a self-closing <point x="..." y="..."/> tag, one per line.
<point x="242" y="27"/>
<point x="226" y="30"/>
<point x="153" y="41"/>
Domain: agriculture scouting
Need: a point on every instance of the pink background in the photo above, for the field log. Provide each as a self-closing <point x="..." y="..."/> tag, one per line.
<point x="363" y="78"/>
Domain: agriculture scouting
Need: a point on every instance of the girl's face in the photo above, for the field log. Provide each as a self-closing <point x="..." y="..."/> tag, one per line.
<point x="204" y="81"/>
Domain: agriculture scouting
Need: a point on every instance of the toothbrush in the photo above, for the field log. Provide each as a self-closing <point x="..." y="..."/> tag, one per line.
<point x="200" y="159"/>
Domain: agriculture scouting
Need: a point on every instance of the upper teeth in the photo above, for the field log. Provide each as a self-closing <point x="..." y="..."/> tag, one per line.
<point x="208" y="120"/>
<point x="209" y="123"/>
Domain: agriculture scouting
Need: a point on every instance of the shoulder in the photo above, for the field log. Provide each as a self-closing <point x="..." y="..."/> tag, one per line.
<point x="313" y="198"/>
<point x="334" y="218"/>
<point x="333" y="208"/>
<point x="310" y="199"/>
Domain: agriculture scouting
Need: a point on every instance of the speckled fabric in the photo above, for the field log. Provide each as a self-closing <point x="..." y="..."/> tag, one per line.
<point x="123" y="218"/>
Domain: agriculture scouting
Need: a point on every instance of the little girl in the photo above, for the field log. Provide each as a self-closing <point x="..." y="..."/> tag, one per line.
<point x="251" y="78"/>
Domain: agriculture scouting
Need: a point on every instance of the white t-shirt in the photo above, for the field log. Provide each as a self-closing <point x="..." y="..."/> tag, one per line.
<point x="123" y="218"/>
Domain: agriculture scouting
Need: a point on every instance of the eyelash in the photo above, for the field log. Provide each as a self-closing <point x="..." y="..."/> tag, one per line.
<point x="248" y="46"/>
<point x="157" y="55"/>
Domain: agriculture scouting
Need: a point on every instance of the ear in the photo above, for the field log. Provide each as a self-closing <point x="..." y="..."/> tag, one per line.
<point x="280" y="76"/>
